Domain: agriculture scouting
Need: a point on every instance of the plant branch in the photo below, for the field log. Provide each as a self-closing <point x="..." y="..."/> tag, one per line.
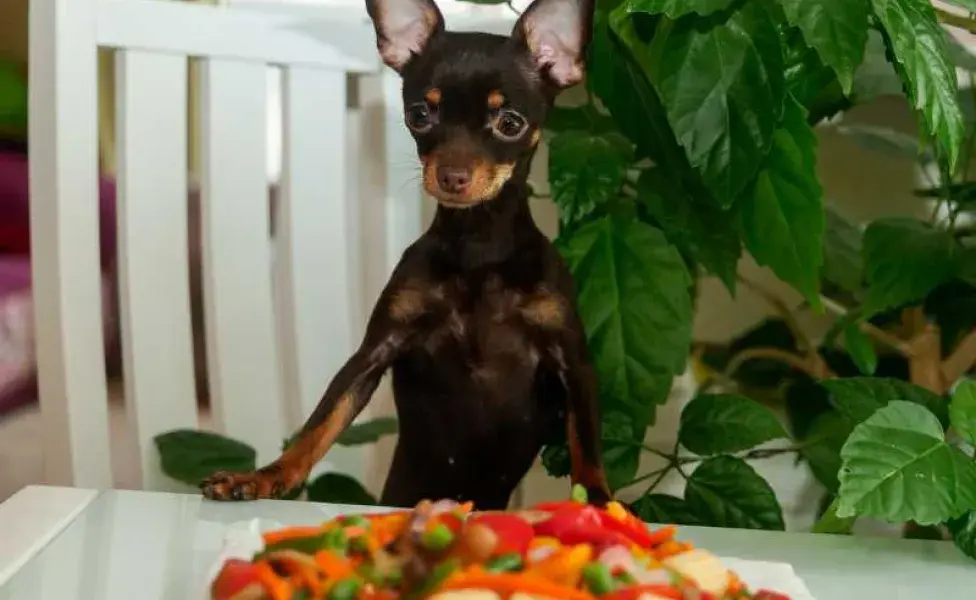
<point x="962" y="359"/>
<point x="802" y="341"/>
<point x="511" y="6"/>
<point x="957" y="21"/>
<point x="892" y="341"/>
<point x="800" y="363"/>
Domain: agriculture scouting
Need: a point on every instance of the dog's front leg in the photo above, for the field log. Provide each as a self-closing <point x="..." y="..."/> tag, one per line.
<point x="346" y="396"/>
<point x="583" y="425"/>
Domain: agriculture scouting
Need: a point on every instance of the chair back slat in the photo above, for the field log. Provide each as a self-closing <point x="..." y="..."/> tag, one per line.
<point x="242" y="357"/>
<point x="279" y="312"/>
<point x="154" y="279"/>
<point x="66" y="283"/>
<point x="312" y="238"/>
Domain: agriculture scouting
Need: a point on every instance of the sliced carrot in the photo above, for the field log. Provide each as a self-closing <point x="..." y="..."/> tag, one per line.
<point x="277" y="588"/>
<point x="333" y="566"/>
<point x="509" y="583"/>
<point x="290" y="533"/>
<point x="662" y="534"/>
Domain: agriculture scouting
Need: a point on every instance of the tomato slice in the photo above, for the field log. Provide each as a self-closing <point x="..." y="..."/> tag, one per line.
<point x="514" y="532"/>
<point x="234" y="576"/>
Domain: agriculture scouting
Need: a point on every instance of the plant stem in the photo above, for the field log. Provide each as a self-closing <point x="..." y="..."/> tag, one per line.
<point x="511" y="6"/>
<point x="957" y="21"/>
<point x="892" y="341"/>
<point x="784" y="356"/>
<point x="646" y="476"/>
<point x="802" y="341"/>
<point x="963" y="357"/>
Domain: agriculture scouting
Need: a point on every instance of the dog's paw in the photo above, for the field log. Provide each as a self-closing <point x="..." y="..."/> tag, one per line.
<point x="257" y="485"/>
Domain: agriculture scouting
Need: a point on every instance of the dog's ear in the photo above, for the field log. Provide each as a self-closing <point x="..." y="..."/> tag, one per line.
<point x="403" y="28"/>
<point x="556" y="33"/>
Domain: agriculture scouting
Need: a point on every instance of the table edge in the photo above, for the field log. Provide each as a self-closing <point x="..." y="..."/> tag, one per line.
<point x="33" y="517"/>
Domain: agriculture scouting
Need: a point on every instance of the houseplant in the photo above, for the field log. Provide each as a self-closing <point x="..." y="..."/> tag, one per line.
<point x="696" y="144"/>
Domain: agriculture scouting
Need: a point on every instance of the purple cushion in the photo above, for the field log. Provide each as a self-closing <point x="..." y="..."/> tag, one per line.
<point x="15" y="208"/>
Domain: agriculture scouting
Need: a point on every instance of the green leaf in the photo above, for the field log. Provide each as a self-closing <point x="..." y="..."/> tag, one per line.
<point x="898" y="467"/>
<point x="836" y="29"/>
<point x="962" y="410"/>
<point x="586" y="171"/>
<point x="632" y="287"/>
<point x="916" y="43"/>
<point x="709" y="234"/>
<point x="782" y="215"/>
<point x="664" y="509"/>
<point x="726" y="423"/>
<point x="963" y="532"/>
<point x="678" y="8"/>
<point x="842" y="243"/>
<point x="556" y="460"/>
<point x="726" y="492"/>
<point x="337" y="488"/>
<point x="857" y="398"/>
<point x="861" y="349"/>
<point x="822" y="444"/>
<point x="722" y="86"/>
<point x="368" y="432"/>
<point x="831" y="523"/>
<point x="618" y="71"/>
<point x="621" y="451"/>
<point x="621" y="448"/>
<point x="904" y="260"/>
<point x="190" y="456"/>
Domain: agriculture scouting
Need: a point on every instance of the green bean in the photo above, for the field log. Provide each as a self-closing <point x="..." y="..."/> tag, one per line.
<point x="506" y="562"/>
<point x="598" y="578"/>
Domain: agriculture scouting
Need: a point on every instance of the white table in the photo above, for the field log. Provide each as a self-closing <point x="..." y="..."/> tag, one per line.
<point x="68" y="544"/>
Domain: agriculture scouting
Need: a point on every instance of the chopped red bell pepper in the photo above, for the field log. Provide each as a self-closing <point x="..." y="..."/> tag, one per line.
<point x="234" y="576"/>
<point x="514" y="532"/>
<point x="769" y="595"/>
<point x="634" y="529"/>
<point x="581" y="525"/>
<point x="634" y="592"/>
<point x="558" y="505"/>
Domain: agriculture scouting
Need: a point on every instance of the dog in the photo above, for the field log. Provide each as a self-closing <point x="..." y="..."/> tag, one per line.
<point x="478" y="321"/>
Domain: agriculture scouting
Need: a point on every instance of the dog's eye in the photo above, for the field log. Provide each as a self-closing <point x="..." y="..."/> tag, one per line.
<point x="509" y="126"/>
<point x="419" y="118"/>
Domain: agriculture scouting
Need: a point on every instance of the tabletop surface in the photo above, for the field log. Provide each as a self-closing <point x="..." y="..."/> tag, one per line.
<point x="151" y="546"/>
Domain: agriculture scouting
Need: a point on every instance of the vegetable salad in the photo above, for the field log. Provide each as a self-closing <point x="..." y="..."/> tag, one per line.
<point x="446" y="551"/>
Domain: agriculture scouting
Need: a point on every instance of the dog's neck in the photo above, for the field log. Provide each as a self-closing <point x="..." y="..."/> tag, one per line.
<point x="487" y="233"/>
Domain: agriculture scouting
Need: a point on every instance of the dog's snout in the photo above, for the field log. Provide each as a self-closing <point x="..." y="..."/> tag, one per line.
<point x="453" y="180"/>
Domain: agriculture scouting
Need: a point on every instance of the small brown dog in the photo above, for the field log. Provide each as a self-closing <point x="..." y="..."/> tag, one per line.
<point x="478" y="321"/>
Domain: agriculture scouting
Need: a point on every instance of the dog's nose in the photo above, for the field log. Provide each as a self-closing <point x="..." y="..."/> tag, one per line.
<point x="453" y="180"/>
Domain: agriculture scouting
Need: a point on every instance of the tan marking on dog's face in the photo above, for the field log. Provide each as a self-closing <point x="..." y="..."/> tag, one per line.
<point x="496" y="100"/>
<point x="487" y="180"/>
<point x="433" y="96"/>
<point x="545" y="311"/>
<point x="536" y="136"/>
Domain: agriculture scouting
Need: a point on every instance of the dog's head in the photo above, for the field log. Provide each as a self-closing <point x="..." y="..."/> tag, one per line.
<point x="475" y="103"/>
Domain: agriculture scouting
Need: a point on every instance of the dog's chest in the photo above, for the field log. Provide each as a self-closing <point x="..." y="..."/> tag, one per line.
<point x="489" y="330"/>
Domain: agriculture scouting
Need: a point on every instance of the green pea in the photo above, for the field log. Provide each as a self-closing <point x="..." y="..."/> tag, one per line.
<point x="598" y="578"/>
<point x="347" y="589"/>
<point x="579" y="494"/>
<point x="356" y="521"/>
<point x="438" y="538"/>
<point x="506" y="562"/>
<point x="301" y="595"/>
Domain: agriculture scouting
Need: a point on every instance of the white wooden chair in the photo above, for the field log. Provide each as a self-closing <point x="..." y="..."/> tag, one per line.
<point x="275" y="334"/>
